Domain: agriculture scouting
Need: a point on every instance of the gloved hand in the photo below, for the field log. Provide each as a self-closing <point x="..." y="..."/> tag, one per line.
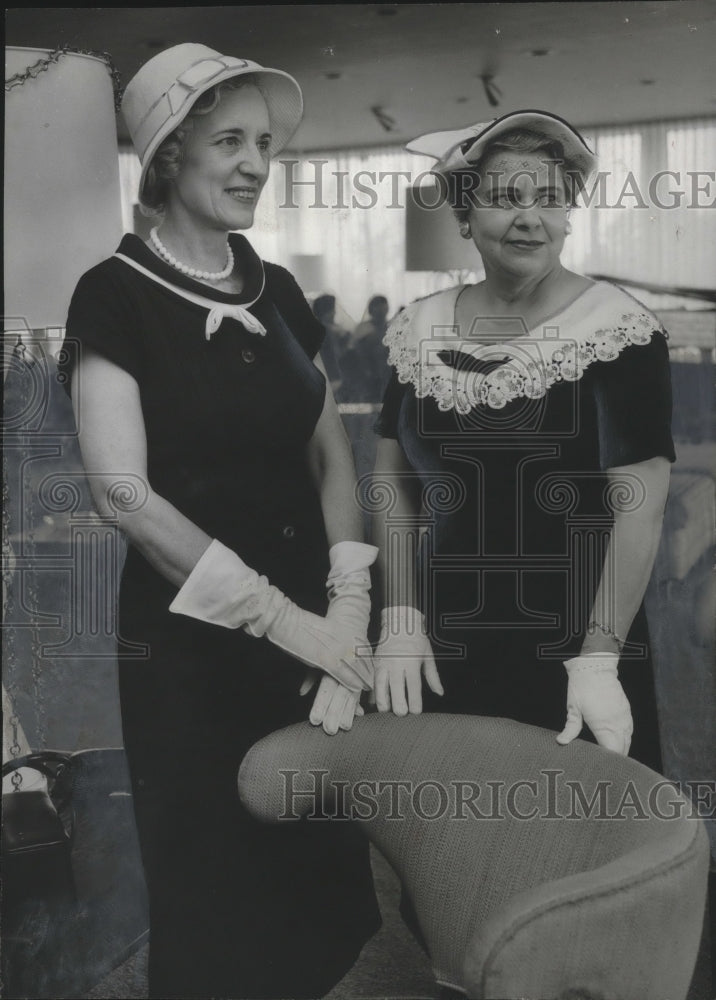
<point x="334" y="706"/>
<point x="402" y="655"/>
<point x="223" y="590"/>
<point x="596" y="697"/>
<point x="348" y="586"/>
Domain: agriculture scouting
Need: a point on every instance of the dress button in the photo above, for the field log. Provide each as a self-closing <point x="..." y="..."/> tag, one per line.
<point x="248" y="356"/>
<point x="289" y="531"/>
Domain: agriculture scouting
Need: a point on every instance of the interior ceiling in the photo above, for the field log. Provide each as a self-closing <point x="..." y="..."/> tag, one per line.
<point x="592" y="63"/>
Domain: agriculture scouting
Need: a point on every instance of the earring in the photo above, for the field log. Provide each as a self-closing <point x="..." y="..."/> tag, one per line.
<point x="567" y="227"/>
<point x="465" y="230"/>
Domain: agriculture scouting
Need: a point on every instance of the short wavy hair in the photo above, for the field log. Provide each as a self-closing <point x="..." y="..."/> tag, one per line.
<point x="166" y="162"/>
<point x="462" y="184"/>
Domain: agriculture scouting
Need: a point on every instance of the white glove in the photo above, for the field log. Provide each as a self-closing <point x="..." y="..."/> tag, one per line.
<point x="334" y="706"/>
<point x="403" y="653"/>
<point x="596" y="697"/>
<point x="348" y="586"/>
<point x="223" y="590"/>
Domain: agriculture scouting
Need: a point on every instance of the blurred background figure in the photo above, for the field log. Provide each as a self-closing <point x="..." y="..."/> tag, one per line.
<point x="338" y="339"/>
<point x="365" y="366"/>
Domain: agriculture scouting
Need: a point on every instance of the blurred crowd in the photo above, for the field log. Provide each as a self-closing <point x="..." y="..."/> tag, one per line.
<point x="355" y="359"/>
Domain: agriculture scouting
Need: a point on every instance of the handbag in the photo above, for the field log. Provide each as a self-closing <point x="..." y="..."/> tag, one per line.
<point x="38" y="818"/>
<point x="74" y="901"/>
<point x="38" y="884"/>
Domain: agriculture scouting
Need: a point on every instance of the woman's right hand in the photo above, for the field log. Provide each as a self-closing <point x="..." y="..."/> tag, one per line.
<point x="223" y="590"/>
<point x="319" y="642"/>
<point x="402" y="658"/>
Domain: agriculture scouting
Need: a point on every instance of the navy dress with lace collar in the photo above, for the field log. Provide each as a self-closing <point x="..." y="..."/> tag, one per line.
<point x="510" y="444"/>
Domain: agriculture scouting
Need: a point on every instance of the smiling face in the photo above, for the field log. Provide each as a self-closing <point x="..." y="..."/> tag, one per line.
<point x="519" y="216"/>
<point x="225" y="163"/>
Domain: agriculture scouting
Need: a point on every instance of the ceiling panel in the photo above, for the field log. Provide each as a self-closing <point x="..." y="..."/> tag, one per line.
<point x="593" y="63"/>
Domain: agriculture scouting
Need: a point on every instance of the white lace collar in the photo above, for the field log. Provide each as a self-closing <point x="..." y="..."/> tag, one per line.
<point x="597" y="326"/>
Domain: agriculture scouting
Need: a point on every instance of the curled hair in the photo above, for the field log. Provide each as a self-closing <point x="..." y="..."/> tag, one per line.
<point x="169" y="156"/>
<point x="462" y="184"/>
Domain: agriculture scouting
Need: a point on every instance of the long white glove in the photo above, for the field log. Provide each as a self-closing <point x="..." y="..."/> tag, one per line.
<point x="348" y="586"/>
<point x="334" y="707"/>
<point x="402" y="657"/>
<point x="595" y="697"/>
<point x="223" y="590"/>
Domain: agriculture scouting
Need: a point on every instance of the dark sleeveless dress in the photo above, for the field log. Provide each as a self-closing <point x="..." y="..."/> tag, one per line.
<point x="237" y="909"/>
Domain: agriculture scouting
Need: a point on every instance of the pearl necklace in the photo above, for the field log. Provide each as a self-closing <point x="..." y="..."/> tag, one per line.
<point x="192" y="272"/>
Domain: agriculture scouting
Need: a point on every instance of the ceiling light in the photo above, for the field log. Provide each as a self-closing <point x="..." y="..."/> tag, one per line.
<point x="386" y="120"/>
<point x="492" y="91"/>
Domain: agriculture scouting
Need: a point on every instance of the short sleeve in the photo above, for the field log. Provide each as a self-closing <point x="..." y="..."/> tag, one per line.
<point x="296" y="312"/>
<point x="386" y="425"/>
<point x="633" y="403"/>
<point x="101" y="317"/>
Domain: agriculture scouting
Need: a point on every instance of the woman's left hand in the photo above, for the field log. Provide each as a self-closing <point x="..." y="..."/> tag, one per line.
<point x="348" y="586"/>
<point x="334" y="706"/>
<point x="595" y="697"/>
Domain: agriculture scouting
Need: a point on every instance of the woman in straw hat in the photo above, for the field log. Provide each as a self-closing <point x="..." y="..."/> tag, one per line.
<point x="207" y="430"/>
<point x="530" y="413"/>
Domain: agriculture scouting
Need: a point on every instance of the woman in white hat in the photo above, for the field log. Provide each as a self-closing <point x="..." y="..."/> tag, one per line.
<point x="207" y="429"/>
<point x="528" y="424"/>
